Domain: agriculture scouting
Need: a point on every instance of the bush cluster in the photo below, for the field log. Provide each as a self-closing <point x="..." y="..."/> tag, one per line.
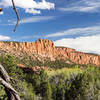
<point x="70" y="84"/>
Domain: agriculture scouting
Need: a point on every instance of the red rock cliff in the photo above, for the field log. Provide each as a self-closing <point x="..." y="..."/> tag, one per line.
<point x="46" y="48"/>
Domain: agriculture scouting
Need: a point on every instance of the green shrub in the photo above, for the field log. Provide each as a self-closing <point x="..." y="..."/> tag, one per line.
<point x="25" y="90"/>
<point x="3" y="95"/>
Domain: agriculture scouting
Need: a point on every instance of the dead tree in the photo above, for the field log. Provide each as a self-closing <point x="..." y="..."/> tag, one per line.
<point x="0" y="9"/>
<point x="15" y="9"/>
<point x="5" y="80"/>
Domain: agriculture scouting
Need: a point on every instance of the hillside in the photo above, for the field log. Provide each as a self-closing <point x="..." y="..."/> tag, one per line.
<point x="46" y="49"/>
<point x="41" y="71"/>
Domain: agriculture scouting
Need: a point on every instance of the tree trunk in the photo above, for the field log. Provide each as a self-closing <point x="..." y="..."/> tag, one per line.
<point x="5" y="81"/>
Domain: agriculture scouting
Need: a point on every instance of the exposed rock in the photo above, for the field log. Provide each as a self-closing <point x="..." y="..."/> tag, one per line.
<point x="46" y="48"/>
<point x="35" y="69"/>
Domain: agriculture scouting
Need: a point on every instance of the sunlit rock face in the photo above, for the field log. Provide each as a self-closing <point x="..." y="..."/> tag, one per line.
<point x="46" y="48"/>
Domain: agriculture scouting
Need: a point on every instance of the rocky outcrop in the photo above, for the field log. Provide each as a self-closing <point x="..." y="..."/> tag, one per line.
<point x="35" y="69"/>
<point x="46" y="48"/>
<point x="43" y="48"/>
<point x="80" y="57"/>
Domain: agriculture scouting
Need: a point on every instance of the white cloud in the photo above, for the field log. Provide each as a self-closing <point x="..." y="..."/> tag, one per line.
<point x="4" y="37"/>
<point x="90" y="6"/>
<point x="90" y="44"/>
<point x="77" y="31"/>
<point x="32" y="11"/>
<point x="36" y="19"/>
<point x="30" y="6"/>
<point x="1" y="13"/>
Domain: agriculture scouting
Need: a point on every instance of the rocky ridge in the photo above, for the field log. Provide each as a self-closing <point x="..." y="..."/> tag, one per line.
<point x="46" y="48"/>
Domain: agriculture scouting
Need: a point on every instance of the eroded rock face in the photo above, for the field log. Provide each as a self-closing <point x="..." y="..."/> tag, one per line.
<point x="80" y="57"/>
<point x="43" y="48"/>
<point x="46" y="48"/>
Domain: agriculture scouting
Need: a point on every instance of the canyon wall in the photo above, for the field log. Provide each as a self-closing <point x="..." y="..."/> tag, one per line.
<point x="46" y="48"/>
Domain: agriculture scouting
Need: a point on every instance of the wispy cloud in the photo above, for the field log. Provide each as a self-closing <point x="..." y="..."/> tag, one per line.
<point x="2" y="37"/>
<point x="77" y="31"/>
<point x="30" y="6"/>
<point x="89" y="6"/>
<point x="36" y="19"/>
<point x="90" y="44"/>
<point x="32" y="19"/>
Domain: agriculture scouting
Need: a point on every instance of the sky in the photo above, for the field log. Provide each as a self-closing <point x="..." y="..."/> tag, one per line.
<point x="69" y="23"/>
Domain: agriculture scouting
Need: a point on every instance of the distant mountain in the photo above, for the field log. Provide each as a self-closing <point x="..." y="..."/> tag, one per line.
<point x="46" y="49"/>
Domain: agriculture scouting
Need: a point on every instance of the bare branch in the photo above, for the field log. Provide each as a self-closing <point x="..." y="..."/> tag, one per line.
<point x="5" y="81"/>
<point x="4" y="74"/>
<point x="1" y="9"/>
<point x="10" y="88"/>
<point x="18" y="18"/>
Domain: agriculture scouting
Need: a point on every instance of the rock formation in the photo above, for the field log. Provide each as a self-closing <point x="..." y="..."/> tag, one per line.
<point x="46" y="48"/>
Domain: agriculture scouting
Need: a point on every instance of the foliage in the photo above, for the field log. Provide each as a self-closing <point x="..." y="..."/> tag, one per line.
<point x="56" y="64"/>
<point x="25" y="90"/>
<point x="68" y="83"/>
<point x="41" y="84"/>
<point x="28" y="61"/>
<point x="2" y="93"/>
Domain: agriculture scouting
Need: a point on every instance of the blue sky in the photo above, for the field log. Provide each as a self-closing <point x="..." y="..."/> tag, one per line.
<point x="72" y="23"/>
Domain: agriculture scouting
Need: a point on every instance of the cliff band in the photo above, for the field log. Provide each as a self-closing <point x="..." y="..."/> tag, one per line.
<point x="46" y="48"/>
